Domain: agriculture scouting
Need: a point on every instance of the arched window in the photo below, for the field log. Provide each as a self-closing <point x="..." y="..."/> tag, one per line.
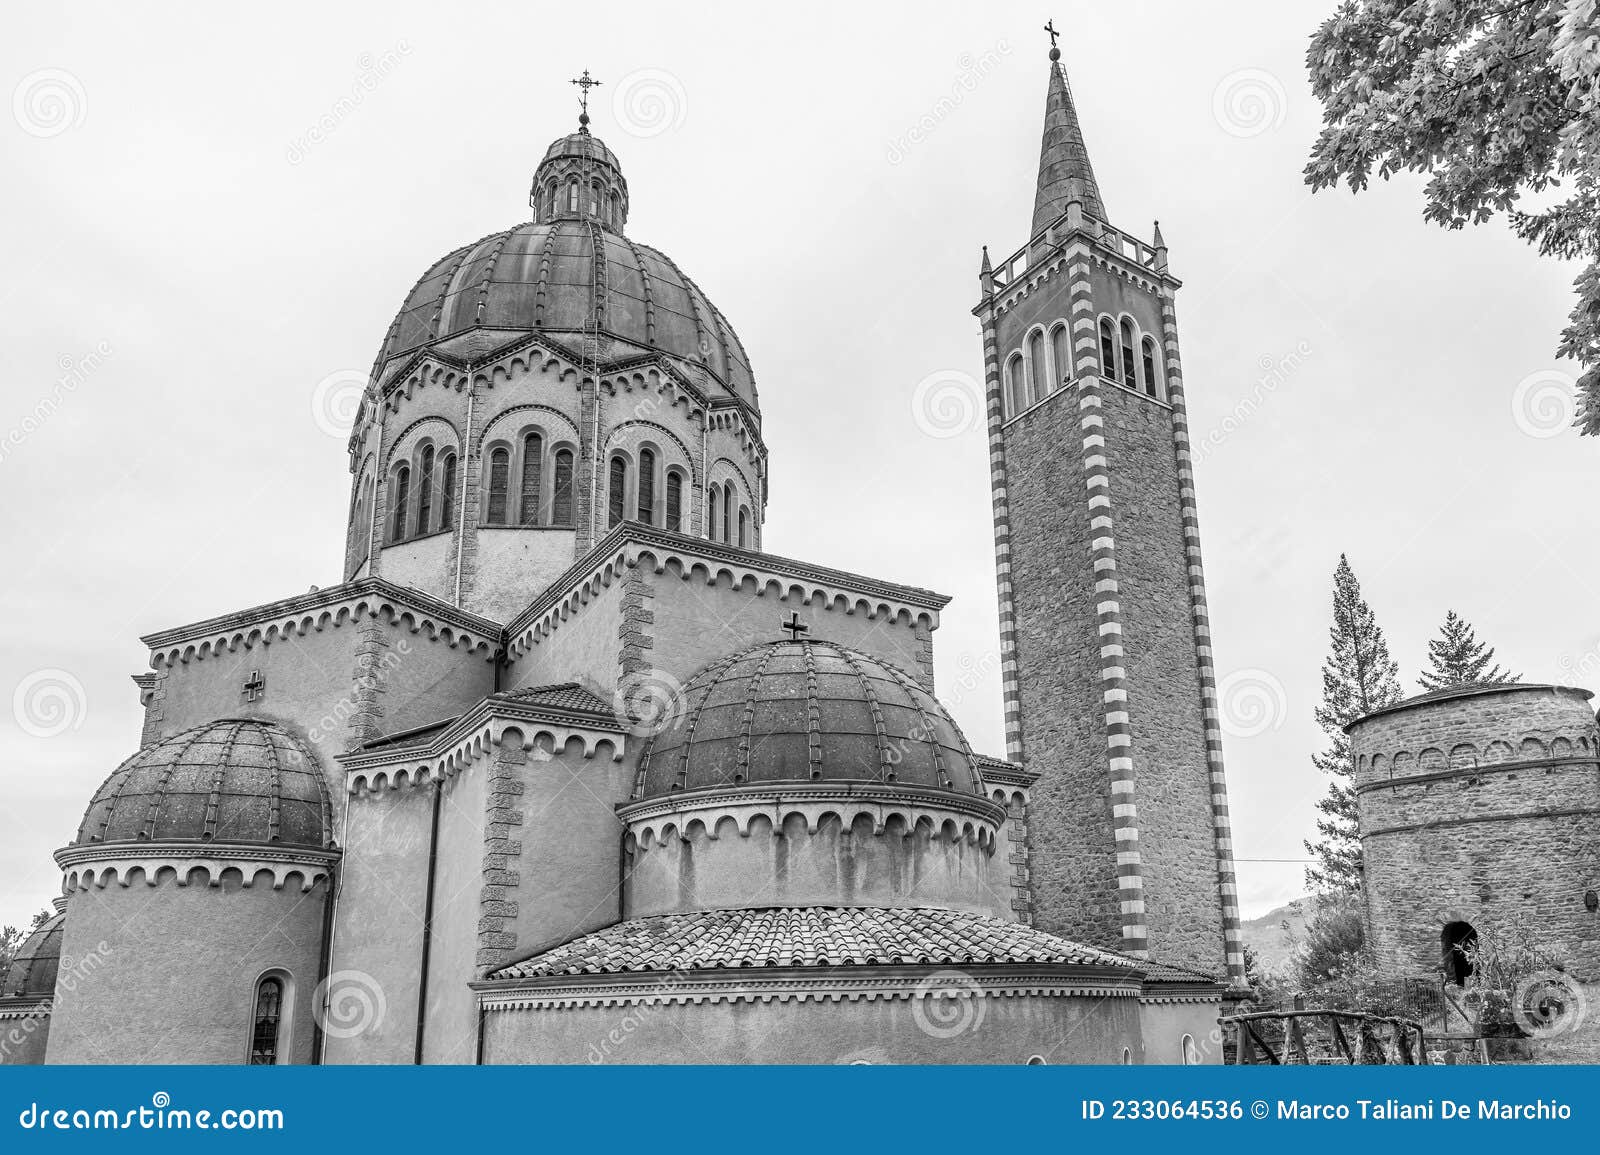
<point x="744" y="528"/>
<point x="1148" y="349"/>
<point x="1130" y="374"/>
<point x="1127" y="1057"/>
<point x="617" y="496"/>
<point x="594" y="198"/>
<point x="572" y="195"/>
<point x="532" y="478"/>
<point x="447" y="491"/>
<point x="425" y="481"/>
<point x="266" y="1022"/>
<point x="647" y="486"/>
<point x="401" y="496"/>
<point x="714" y="522"/>
<point x="1191" y="1054"/>
<point x="1062" y="356"/>
<point x="675" y="501"/>
<point x="1040" y="385"/>
<point x="1108" y="351"/>
<point x="1014" y="403"/>
<point x="555" y="191"/>
<point x="561" y="498"/>
<point x="728" y="508"/>
<point x="499" y="482"/>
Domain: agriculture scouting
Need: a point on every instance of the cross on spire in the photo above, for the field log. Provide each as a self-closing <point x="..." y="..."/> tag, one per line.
<point x="585" y="83"/>
<point x="795" y="626"/>
<point x="1050" y="27"/>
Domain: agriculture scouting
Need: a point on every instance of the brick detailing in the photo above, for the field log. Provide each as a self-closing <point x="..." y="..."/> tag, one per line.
<point x="1021" y="875"/>
<point x="1227" y="883"/>
<point x="1010" y="695"/>
<point x="153" y="689"/>
<point x="634" y="629"/>
<point x="471" y="459"/>
<point x="583" y="479"/>
<point x="502" y="823"/>
<point x="924" y="666"/>
<point x="1113" y="677"/>
<point x="367" y="683"/>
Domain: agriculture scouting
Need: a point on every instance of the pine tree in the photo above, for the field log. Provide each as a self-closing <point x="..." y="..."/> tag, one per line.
<point x="1359" y="676"/>
<point x="1457" y="658"/>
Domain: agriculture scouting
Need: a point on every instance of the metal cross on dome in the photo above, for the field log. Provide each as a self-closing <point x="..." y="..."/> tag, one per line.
<point x="585" y="82"/>
<point x="795" y="626"/>
<point x="1050" y="27"/>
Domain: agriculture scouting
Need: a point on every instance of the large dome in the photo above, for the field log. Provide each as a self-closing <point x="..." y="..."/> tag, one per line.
<point x="570" y="263"/>
<point x="806" y="711"/>
<point x="234" y="781"/>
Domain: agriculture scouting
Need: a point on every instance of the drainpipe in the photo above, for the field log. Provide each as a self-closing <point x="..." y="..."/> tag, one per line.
<point x="427" y="921"/>
<point x="461" y="505"/>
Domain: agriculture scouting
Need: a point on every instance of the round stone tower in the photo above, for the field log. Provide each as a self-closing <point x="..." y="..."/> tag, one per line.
<point x="1478" y="805"/>
<point x="197" y="894"/>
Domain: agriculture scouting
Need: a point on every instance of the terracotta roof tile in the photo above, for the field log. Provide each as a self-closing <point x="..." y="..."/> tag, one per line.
<point x="563" y="696"/>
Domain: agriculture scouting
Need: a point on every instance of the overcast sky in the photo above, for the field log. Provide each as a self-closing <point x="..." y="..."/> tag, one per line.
<point x="207" y="211"/>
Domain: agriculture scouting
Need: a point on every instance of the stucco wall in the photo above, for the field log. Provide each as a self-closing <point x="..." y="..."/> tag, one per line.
<point x="378" y="931"/>
<point x="988" y="1030"/>
<point x="24" y="1032"/>
<point x="176" y="979"/>
<point x="515" y="566"/>
<point x="832" y="867"/>
<point x="451" y="1032"/>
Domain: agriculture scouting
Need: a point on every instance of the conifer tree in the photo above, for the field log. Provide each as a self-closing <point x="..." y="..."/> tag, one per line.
<point x="1457" y="658"/>
<point x="1359" y="676"/>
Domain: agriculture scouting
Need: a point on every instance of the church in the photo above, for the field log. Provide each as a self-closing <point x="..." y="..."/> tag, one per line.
<point x="570" y="768"/>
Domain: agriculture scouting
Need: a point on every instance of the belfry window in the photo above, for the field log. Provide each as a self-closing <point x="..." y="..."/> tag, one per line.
<point x="714" y="521"/>
<point x="266" y="1022"/>
<point x="447" y="491"/>
<point x="617" y="495"/>
<point x="425" y="482"/>
<point x="499" y="480"/>
<point x="1108" y="351"/>
<point x="594" y="198"/>
<point x="728" y="509"/>
<point x="744" y="528"/>
<point x="1041" y="371"/>
<point x="1149" y="351"/>
<point x="675" y="501"/>
<point x="561" y="498"/>
<point x="1130" y="374"/>
<point x="647" y="486"/>
<point x="572" y="195"/>
<point x="532" y="478"/>
<point x="1014" y="403"/>
<point x="401" y="497"/>
<point x="1063" y="357"/>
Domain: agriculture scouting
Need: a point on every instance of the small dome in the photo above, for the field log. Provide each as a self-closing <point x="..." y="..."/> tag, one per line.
<point x="806" y="711"/>
<point x="230" y="781"/>
<point x="32" y="973"/>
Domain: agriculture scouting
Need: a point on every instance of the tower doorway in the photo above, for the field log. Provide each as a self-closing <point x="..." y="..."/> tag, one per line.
<point x="1457" y="940"/>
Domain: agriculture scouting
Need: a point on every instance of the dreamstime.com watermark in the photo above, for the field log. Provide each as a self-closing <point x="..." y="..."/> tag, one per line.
<point x="973" y="70"/>
<point x="636" y="1016"/>
<point x="1275" y="371"/>
<point x="75" y="372"/>
<point x="49" y="102"/>
<point x="370" y="681"/>
<point x="372" y="71"/>
<point x="70" y="977"/>
<point x="158" y="1115"/>
<point x="1248" y="102"/>
<point x="48" y="703"/>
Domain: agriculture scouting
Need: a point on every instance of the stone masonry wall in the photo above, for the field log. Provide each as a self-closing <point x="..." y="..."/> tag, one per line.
<point x="1481" y="808"/>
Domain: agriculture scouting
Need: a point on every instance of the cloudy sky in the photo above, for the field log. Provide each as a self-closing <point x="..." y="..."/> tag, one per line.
<point x="210" y="211"/>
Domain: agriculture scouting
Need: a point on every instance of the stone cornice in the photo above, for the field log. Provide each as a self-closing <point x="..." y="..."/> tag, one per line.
<point x="25" y="1007"/>
<point x="318" y="609"/>
<point x="630" y="543"/>
<point x="847" y="799"/>
<point x="97" y="864"/>
<point x="1000" y="772"/>
<point x="473" y="734"/>
<point x="808" y="984"/>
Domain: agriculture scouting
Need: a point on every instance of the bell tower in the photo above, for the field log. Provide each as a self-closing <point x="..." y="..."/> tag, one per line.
<point x="1109" y="688"/>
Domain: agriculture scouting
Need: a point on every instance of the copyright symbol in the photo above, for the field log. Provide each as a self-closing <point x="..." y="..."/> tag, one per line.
<point x="1258" y="1109"/>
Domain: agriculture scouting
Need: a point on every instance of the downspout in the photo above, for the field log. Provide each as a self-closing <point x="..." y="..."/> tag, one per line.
<point x="466" y="467"/>
<point x="427" y="921"/>
<point x="705" y="464"/>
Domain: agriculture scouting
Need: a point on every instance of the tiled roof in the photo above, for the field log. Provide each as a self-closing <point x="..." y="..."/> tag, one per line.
<point x="563" y="696"/>
<point x="808" y="937"/>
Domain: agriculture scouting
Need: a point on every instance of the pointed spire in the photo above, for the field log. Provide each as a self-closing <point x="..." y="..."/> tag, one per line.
<point x="1064" y="170"/>
<point x="1160" y="242"/>
<point x="986" y="268"/>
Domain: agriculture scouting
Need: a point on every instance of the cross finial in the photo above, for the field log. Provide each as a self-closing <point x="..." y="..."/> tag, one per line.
<point x="795" y="626"/>
<point x="585" y="83"/>
<point x="1050" y="27"/>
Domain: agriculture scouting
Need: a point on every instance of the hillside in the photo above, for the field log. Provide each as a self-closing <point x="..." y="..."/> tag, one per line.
<point x="1272" y="936"/>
